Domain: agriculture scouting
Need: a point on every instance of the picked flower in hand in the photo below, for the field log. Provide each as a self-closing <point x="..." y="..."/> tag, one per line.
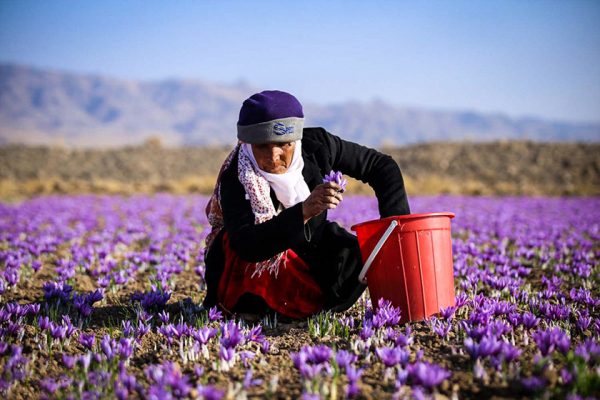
<point x="336" y="177"/>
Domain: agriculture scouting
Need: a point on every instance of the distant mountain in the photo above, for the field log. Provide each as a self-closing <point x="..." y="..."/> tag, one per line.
<point x="39" y="106"/>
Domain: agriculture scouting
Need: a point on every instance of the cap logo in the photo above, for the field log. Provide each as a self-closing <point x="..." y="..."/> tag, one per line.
<point x="281" y="129"/>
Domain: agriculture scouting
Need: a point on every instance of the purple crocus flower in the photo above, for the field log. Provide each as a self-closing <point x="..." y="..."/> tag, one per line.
<point x="461" y="300"/>
<point x="127" y="328"/>
<point x="57" y="291"/>
<point x="32" y="309"/>
<point x="254" y="334"/>
<point x="167" y="331"/>
<point x="85" y="360"/>
<point x="440" y="327"/>
<point x="152" y="300"/>
<point x="15" y="368"/>
<point x="104" y="281"/>
<point x="392" y="356"/>
<point x="36" y="265"/>
<point x="94" y="297"/>
<point x="164" y="316"/>
<point x="5" y="315"/>
<point x="583" y="322"/>
<point x="210" y="392"/>
<point x="231" y="335"/>
<point x="181" y="330"/>
<point x="299" y="359"/>
<point x="108" y="346"/>
<point x="589" y="350"/>
<point x="529" y="320"/>
<point x="125" y="347"/>
<point x="311" y="371"/>
<point x="514" y="318"/>
<point x="58" y="331"/>
<point x="353" y="375"/>
<point x="533" y="383"/>
<point x="347" y="322"/>
<point x="44" y="323"/>
<point x="214" y="314"/>
<point x="366" y="332"/>
<point x="265" y="347"/>
<point x="226" y="354"/>
<point x="427" y="375"/>
<point x="245" y="356"/>
<point x="70" y="329"/>
<point x="566" y="376"/>
<point x="448" y="312"/>
<point x="204" y="334"/>
<point x="404" y="339"/>
<point x="549" y="339"/>
<point x="141" y="330"/>
<point x="310" y="361"/>
<point x="488" y="346"/>
<point x="167" y="380"/>
<point x="338" y="178"/>
<point x="87" y="340"/>
<point x="509" y="352"/>
<point x="344" y="359"/>
<point x="318" y="354"/>
<point x="49" y="385"/>
<point x="387" y="314"/>
<point x="68" y="360"/>
<point x="474" y="332"/>
<point x="249" y="381"/>
<point x="401" y="377"/>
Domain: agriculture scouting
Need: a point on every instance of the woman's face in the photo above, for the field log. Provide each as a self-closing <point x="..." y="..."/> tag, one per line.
<point x="274" y="158"/>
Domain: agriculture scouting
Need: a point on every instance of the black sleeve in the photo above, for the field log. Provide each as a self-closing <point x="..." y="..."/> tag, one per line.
<point x="378" y="170"/>
<point x="257" y="242"/>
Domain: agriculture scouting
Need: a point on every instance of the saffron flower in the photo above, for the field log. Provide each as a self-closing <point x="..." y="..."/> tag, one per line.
<point x="344" y="359"/>
<point x="249" y="381"/>
<point x="392" y="356"/>
<point x="427" y="375"/>
<point x="550" y="339"/>
<point x="338" y="178"/>
<point x="534" y="383"/>
<point x="208" y="392"/>
<point x="214" y="314"/>
<point x="152" y="300"/>
<point x="231" y="335"/>
<point x="353" y="375"/>
<point x="87" y="340"/>
<point x="167" y="381"/>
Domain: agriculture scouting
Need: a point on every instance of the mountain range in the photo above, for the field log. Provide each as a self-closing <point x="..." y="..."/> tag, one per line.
<point x="49" y="107"/>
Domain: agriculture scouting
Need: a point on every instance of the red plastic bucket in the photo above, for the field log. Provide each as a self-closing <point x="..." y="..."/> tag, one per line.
<point x="408" y="261"/>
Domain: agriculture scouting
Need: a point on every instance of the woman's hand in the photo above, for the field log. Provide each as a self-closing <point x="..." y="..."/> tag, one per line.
<point x="324" y="196"/>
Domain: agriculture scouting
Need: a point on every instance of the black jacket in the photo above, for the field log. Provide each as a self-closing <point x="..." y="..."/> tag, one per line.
<point x="322" y="152"/>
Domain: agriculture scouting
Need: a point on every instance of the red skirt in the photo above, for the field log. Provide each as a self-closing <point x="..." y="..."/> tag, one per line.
<point x="293" y="293"/>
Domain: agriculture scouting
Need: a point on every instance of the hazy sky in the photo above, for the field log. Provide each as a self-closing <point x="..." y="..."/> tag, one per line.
<point x="520" y="57"/>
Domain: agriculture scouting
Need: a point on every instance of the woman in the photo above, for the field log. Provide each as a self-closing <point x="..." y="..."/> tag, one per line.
<point x="271" y="246"/>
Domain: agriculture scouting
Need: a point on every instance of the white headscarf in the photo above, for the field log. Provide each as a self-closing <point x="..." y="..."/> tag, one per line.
<point x="290" y="187"/>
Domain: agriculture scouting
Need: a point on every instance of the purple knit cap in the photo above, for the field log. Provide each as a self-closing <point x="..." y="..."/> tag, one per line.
<point x="270" y="116"/>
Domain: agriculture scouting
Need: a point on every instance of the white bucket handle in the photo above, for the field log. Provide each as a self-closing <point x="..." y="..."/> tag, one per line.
<point x="378" y="246"/>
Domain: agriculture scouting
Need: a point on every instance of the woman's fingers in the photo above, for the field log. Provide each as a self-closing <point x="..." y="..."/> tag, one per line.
<point x="324" y="196"/>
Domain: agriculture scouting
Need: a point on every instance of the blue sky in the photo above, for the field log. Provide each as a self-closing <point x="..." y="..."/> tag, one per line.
<point x="523" y="58"/>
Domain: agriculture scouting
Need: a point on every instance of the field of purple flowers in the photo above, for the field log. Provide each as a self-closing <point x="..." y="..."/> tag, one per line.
<point x="99" y="298"/>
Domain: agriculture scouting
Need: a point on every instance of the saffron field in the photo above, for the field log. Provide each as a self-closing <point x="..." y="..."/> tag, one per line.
<point x="99" y="298"/>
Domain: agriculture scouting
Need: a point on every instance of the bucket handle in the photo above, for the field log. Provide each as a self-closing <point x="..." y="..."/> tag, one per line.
<point x="378" y="246"/>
